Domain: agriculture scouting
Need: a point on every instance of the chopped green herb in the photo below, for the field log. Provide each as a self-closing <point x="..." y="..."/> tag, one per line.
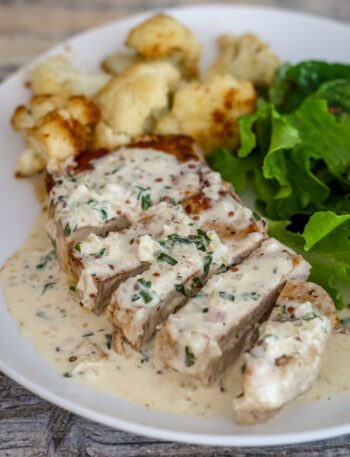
<point x="253" y="295"/>
<point x="117" y="168"/>
<point x="67" y="375"/>
<point x="345" y="321"/>
<point x="189" y="357"/>
<point x="203" y="234"/>
<point x="67" y="230"/>
<point x="72" y="288"/>
<point x="144" y="356"/>
<point x="227" y="296"/>
<point x="147" y="297"/>
<point x="96" y="206"/>
<point x="240" y="395"/>
<point x="144" y="283"/>
<point x="285" y="316"/>
<point x="77" y="247"/>
<point x="207" y="262"/>
<point x="42" y="315"/>
<point x="274" y="271"/>
<point x="45" y="260"/>
<point x="135" y="297"/>
<point x="175" y="238"/>
<point x="180" y="288"/>
<point x="141" y="190"/>
<point x="108" y="340"/>
<point x="146" y="201"/>
<point x="145" y="293"/>
<point x="99" y="254"/>
<point x="104" y="214"/>
<point x="205" y="310"/>
<point x="86" y="334"/>
<point x="166" y="258"/>
<point x="256" y="216"/>
<point x="47" y="286"/>
<point x="309" y="316"/>
<point x="196" y="283"/>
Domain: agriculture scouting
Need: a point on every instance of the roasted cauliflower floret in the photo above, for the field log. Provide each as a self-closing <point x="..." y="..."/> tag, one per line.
<point x="246" y="58"/>
<point x="162" y="37"/>
<point x="57" y="76"/>
<point x="25" y="116"/>
<point x="131" y="102"/>
<point x="55" y="129"/>
<point x="118" y="62"/>
<point x="208" y="111"/>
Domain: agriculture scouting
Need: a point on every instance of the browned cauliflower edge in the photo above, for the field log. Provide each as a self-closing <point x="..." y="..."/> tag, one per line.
<point x="54" y="129"/>
<point x="245" y="57"/>
<point x="208" y="111"/>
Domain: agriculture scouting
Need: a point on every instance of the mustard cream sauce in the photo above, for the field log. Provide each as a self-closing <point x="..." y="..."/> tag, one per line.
<point x="78" y="343"/>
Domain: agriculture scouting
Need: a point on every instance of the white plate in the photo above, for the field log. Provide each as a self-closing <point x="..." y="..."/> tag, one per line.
<point x="294" y="37"/>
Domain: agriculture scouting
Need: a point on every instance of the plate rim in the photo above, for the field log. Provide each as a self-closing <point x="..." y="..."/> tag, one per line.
<point x="125" y="424"/>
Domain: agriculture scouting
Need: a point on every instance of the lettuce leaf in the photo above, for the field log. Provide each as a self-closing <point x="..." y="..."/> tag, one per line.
<point x="300" y="153"/>
<point x="337" y="94"/>
<point x="232" y="168"/>
<point x="296" y="146"/>
<point x="320" y="225"/>
<point x="294" y="83"/>
<point x="328" y="252"/>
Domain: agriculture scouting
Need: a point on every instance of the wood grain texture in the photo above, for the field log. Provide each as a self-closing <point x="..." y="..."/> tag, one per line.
<point x="29" y="426"/>
<point x="29" y="27"/>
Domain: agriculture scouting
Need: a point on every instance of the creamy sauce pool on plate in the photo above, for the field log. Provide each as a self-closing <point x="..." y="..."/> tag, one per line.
<point x="78" y="344"/>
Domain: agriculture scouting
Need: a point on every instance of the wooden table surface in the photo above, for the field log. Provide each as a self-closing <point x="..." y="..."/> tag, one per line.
<point x="29" y="426"/>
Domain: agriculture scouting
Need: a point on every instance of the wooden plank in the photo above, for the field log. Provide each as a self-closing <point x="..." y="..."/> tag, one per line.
<point x="24" y="34"/>
<point x="29" y="426"/>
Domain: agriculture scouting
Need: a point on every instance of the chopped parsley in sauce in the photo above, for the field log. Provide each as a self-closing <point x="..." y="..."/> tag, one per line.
<point x="189" y="357"/>
<point x="167" y="258"/>
<point x="45" y="260"/>
<point x="47" y="286"/>
<point x="181" y="288"/>
<point x="227" y="296"/>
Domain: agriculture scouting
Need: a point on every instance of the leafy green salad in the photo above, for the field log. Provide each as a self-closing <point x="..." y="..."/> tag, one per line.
<point x="295" y="155"/>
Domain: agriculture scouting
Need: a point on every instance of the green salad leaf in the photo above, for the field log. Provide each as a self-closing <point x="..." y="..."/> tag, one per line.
<point x="293" y="83"/>
<point x="296" y="149"/>
<point x="320" y="225"/>
<point x="329" y="256"/>
<point x="337" y="94"/>
<point x="300" y="153"/>
<point x="232" y="168"/>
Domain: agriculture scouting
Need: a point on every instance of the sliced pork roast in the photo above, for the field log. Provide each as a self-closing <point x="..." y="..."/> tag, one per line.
<point x="103" y="192"/>
<point x="208" y="332"/>
<point x="217" y="232"/>
<point x="285" y="360"/>
<point x="99" y="264"/>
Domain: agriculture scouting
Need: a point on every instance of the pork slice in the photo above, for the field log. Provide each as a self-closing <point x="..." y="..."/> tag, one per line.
<point x="182" y="263"/>
<point x="98" y="265"/>
<point x="110" y="191"/>
<point x="205" y="336"/>
<point x="64" y="239"/>
<point x="285" y="361"/>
